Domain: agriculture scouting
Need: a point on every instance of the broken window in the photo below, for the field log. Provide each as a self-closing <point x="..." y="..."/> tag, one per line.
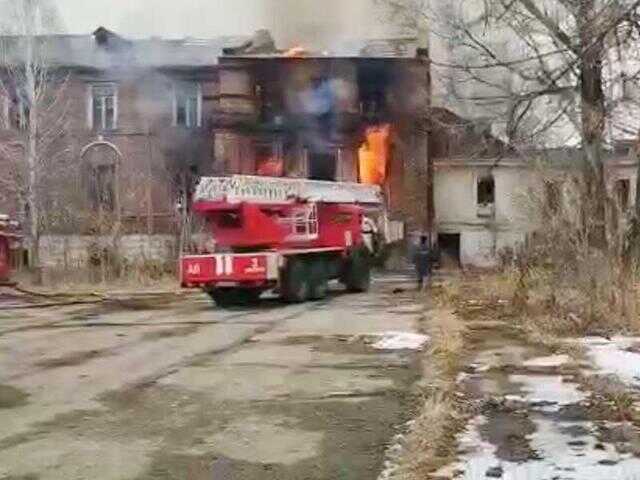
<point x="102" y="188"/>
<point x="486" y="190"/>
<point x="187" y="105"/>
<point x="14" y="111"/>
<point x="104" y="107"/>
<point x="269" y="159"/>
<point x="552" y="196"/>
<point x="622" y="189"/>
<point x="323" y="165"/>
<point x="630" y="88"/>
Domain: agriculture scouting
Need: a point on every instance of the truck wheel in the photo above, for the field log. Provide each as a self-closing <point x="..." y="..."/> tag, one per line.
<point x="318" y="280"/>
<point x="295" y="281"/>
<point x="357" y="275"/>
<point x="229" y="297"/>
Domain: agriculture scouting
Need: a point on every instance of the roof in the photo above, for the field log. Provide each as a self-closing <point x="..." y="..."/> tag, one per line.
<point x="398" y="47"/>
<point x="105" y="49"/>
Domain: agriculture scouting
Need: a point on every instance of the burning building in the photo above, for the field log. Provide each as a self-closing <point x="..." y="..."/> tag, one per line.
<point x="144" y="118"/>
<point x="356" y="116"/>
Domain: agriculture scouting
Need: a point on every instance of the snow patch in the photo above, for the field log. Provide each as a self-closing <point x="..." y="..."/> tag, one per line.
<point x="612" y="357"/>
<point x="548" y="362"/>
<point x="548" y="389"/>
<point x="400" y="341"/>
<point x="559" y="456"/>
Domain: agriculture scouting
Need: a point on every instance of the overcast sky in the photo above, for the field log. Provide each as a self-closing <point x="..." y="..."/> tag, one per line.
<point x="291" y="21"/>
<point x="198" y="18"/>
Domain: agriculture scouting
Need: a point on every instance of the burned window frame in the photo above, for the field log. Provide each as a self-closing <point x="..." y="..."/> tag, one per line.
<point x="14" y="111"/>
<point x="481" y="180"/>
<point x="187" y="93"/>
<point x="552" y="196"/>
<point x="336" y="152"/>
<point x="111" y="91"/>
<point x="617" y="192"/>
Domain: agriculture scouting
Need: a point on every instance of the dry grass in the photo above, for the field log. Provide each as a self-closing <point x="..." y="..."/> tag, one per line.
<point x="431" y="441"/>
<point x="85" y="281"/>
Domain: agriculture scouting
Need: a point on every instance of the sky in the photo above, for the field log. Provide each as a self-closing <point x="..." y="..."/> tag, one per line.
<point x="168" y="18"/>
<point x="289" y="20"/>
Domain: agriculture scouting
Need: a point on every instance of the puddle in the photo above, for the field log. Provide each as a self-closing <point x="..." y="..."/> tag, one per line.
<point x="11" y="397"/>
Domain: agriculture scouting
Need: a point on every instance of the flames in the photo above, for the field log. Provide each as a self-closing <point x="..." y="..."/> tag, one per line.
<point x="297" y="51"/>
<point x="374" y="154"/>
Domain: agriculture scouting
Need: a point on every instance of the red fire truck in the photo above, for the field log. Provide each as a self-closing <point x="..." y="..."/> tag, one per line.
<point x="288" y="235"/>
<point x="8" y="239"/>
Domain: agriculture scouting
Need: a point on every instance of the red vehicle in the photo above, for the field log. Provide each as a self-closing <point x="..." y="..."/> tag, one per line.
<point x="8" y="237"/>
<point x="290" y="235"/>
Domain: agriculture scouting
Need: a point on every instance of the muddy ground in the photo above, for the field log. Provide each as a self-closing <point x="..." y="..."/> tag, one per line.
<point x="187" y="390"/>
<point x="538" y="412"/>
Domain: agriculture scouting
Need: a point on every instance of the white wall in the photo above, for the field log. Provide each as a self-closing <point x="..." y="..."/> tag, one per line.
<point x="482" y="239"/>
<point x="72" y="251"/>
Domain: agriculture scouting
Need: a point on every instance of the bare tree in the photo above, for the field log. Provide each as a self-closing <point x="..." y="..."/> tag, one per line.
<point x="34" y="95"/>
<point x="537" y="67"/>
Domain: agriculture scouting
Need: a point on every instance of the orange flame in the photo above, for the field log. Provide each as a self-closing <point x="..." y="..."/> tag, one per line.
<point x="297" y="51"/>
<point x="373" y="155"/>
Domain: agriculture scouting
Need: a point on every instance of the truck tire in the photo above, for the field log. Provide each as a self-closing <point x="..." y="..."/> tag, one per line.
<point x="230" y="297"/>
<point x="357" y="274"/>
<point x="318" y="280"/>
<point x="295" y="281"/>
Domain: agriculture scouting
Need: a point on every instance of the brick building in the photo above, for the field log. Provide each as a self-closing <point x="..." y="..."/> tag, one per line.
<point x="143" y="118"/>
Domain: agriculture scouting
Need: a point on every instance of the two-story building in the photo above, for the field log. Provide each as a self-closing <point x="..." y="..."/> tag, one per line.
<point x="144" y="118"/>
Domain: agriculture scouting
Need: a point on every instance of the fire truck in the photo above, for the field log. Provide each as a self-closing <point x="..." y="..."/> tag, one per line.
<point x="8" y="240"/>
<point x="291" y="236"/>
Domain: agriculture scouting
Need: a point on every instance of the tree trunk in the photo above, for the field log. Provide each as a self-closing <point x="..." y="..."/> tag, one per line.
<point x="32" y="152"/>
<point x="593" y="114"/>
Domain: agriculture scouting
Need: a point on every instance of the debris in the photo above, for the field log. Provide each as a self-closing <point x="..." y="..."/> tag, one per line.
<point x="495" y="472"/>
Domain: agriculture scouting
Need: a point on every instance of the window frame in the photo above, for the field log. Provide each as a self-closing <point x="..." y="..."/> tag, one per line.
<point x="482" y="179"/>
<point x="179" y="87"/>
<point x="627" y="190"/>
<point x="90" y="106"/>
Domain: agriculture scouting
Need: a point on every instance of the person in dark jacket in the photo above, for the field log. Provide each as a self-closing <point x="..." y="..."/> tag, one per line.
<point x="422" y="259"/>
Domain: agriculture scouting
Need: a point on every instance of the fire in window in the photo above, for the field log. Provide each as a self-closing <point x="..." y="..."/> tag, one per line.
<point x="269" y="160"/>
<point x="104" y="107"/>
<point x="187" y="105"/>
<point x="622" y="193"/>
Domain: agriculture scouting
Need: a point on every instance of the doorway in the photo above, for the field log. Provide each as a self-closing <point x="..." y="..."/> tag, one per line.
<point x="449" y="246"/>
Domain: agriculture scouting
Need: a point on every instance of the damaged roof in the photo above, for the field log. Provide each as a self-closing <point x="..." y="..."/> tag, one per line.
<point x="399" y="47"/>
<point x="105" y="49"/>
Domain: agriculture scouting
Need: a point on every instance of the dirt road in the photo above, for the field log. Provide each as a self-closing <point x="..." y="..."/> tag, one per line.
<point x="191" y="391"/>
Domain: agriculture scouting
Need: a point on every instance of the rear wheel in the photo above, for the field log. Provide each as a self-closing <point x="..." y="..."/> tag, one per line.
<point x="318" y="279"/>
<point x="229" y="297"/>
<point x="295" y="281"/>
<point x="357" y="273"/>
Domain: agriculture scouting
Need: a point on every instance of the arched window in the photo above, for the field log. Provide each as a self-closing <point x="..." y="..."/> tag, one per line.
<point x="100" y="176"/>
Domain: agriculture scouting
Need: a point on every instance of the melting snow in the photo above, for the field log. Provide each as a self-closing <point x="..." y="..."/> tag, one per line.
<point x="400" y="341"/>
<point x="611" y="357"/>
<point x="560" y="457"/>
<point x="548" y="389"/>
<point x="548" y="362"/>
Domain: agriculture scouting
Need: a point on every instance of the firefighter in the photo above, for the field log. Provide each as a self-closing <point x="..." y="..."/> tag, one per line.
<point x="422" y="259"/>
